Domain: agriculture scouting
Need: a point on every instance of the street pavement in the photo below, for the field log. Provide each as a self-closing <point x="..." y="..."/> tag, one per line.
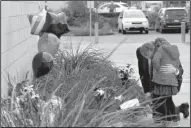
<point x="126" y="53"/>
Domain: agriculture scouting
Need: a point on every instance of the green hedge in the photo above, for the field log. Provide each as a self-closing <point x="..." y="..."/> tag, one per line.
<point x="78" y="16"/>
<point x="110" y="15"/>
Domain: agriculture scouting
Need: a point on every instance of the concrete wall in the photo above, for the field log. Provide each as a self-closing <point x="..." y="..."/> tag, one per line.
<point x="18" y="46"/>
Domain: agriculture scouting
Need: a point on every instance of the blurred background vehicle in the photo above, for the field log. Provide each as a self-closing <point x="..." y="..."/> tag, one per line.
<point x="133" y="7"/>
<point x="133" y="20"/>
<point x="119" y="6"/>
<point x="171" y="18"/>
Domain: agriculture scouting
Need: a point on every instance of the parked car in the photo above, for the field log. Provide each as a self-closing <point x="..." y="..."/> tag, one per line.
<point x="133" y="20"/>
<point x="119" y="6"/>
<point x="132" y="7"/>
<point x="171" y="18"/>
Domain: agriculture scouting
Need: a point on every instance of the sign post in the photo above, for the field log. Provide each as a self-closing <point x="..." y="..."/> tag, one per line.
<point x="183" y="28"/>
<point x="96" y="27"/>
<point x="96" y="32"/>
<point x="46" y="5"/>
<point x="90" y="5"/>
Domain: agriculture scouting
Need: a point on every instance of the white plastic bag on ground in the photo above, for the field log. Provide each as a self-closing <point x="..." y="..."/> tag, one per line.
<point x="130" y="103"/>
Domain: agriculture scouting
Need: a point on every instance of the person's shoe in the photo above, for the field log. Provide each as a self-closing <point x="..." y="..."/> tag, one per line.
<point x="176" y="118"/>
<point x="184" y="108"/>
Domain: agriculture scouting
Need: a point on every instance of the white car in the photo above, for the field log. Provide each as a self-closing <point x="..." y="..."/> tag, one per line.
<point x="133" y="20"/>
<point x="133" y="7"/>
<point x="120" y="6"/>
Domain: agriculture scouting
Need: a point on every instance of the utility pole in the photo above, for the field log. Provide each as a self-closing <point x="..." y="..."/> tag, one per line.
<point x="90" y="5"/>
<point x="96" y="27"/>
<point x="90" y="21"/>
<point x="183" y="28"/>
<point x="46" y="5"/>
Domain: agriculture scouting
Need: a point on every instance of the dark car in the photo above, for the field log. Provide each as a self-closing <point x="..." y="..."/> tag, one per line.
<point x="171" y="18"/>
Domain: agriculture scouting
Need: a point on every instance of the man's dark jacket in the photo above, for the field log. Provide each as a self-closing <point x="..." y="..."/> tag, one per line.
<point x="144" y="73"/>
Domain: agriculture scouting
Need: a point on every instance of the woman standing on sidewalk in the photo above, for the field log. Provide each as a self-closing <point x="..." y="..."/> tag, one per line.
<point x="146" y="74"/>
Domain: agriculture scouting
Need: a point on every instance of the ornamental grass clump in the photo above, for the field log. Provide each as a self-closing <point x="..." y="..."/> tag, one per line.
<point x="66" y="97"/>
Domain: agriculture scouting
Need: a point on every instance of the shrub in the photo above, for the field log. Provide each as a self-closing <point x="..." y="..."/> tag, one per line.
<point x="78" y="15"/>
<point x="104" y="29"/>
<point x="109" y="15"/>
<point x="67" y="96"/>
<point x="152" y="18"/>
<point x="113" y="21"/>
<point x="156" y="8"/>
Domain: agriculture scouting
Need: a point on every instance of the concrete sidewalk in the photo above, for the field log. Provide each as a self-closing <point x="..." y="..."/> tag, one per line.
<point x="126" y="54"/>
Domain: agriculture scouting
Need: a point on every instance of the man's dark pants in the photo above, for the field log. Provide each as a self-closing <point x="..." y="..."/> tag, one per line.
<point x="165" y="108"/>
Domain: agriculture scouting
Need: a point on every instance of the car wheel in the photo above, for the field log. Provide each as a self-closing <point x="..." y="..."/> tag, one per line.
<point x="157" y="30"/>
<point x="187" y="30"/>
<point x="161" y="29"/>
<point x="146" y="31"/>
<point x="124" y="32"/>
<point x="141" y="31"/>
<point x="119" y="30"/>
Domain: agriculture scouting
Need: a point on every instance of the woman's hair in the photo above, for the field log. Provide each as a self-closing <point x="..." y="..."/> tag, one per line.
<point x="146" y="49"/>
<point x="160" y="41"/>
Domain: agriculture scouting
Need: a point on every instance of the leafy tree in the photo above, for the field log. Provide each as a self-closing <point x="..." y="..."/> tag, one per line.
<point x="152" y="17"/>
<point x="77" y="8"/>
<point x="157" y="8"/>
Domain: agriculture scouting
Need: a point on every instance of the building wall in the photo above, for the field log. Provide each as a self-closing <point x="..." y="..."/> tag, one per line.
<point x="187" y="3"/>
<point x="18" y="46"/>
<point x="55" y="4"/>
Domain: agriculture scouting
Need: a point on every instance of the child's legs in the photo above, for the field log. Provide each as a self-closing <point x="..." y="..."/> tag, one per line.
<point x="172" y="110"/>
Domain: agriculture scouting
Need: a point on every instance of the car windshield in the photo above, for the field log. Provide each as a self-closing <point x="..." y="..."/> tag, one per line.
<point x="126" y="5"/>
<point x="134" y="15"/>
<point x="176" y="13"/>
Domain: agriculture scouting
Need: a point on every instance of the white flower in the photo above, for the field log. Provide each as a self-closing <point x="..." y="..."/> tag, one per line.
<point x="119" y="97"/>
<point x="100" y="91"/>
<point x="127" y="70"/>
<point x="121" y="75"/>
<point x="128" y="65"/>
<point x="28" y="89"/>
<point x="121" y="68"/>
<point x="18" y="99"/>
<point x="27" y="83"/>
<point x="54" y="61"/>
<point x="35" y="96"/>
<point x="51" y="117"/>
